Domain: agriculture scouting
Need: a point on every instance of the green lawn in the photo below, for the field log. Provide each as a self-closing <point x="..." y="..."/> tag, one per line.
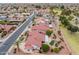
<point x="73" y="40"/>
<point x="4" y="22"/>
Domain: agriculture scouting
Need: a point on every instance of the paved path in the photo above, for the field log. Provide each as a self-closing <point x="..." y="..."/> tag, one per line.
<point x="12" y="38"/>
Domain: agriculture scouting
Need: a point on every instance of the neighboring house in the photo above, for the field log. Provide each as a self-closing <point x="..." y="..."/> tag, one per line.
<point x="3" y="17"/>
<point x="6" y="27"/>
<point x="40" y="27"/>
<point x="41" y="20"/>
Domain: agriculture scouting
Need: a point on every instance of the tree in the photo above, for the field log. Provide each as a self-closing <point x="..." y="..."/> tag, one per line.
<point x="76" y="21"/>
<point x="45" y="47"/>
<point x="66" y="12"/>
<point x="73" y="28"/>
<point x="38" y="6"/>
<point x="76" y="13"/>
<point x="51" y="8"/>
<point x="62" y="7"/>
<point x="70" y="17"/>
<point x="69" y="26"/>
<point x="49" y="32"/>
<point x="17" y="44"/>
<point x="52" y="50"/>
<point x="64" y="20"/>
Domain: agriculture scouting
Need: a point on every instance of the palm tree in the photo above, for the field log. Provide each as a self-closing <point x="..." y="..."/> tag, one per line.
<point x="17" y="44"/>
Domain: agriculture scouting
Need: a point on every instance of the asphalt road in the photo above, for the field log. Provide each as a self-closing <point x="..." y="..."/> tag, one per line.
<point x="8" y="43"/>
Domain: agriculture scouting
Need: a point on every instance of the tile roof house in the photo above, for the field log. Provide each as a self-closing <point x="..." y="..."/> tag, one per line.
<point x="36" y="36"/>
<point x="3" y="17"/>
<point x="41" y="20"/>
<point x="6" y="27"/>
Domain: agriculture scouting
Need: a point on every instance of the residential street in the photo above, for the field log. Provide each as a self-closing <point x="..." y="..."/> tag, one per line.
<point x="12" y="38"/>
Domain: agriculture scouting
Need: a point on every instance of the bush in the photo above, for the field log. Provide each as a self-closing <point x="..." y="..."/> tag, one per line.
<point x="21" y="38"/>
<point x="54" y="36"/>
<point x="59" y="32"/>
<point x="0" y="30"/>
<point x="52" y="42"/>
<point x="62" y="7"/>
<point x="56" y="44"/>
<point x="38" y="6"/>
<point x="13" y="28"/>
<point x="34" y="23"/>
<point x="3" y="33"/>
<point x="59" y="42"/>
<point x="51" y="50"/>
<point x="66" y="12"/>
<point x="70" y="18"/>
<point x="49" y="32"/>
<point x="45" y="47"/>
<point x="61" y="47"/>
<point x="40" y="51"/>
<point x="61" y="39"/>
<point x="56" y="50"/>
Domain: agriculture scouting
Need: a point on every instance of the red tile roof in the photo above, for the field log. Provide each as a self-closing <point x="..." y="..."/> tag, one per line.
<point x="6" y="27"/>
<point x="41" y="20"/>
<point x="35" y="37"/>
<point x="41" y="27"/>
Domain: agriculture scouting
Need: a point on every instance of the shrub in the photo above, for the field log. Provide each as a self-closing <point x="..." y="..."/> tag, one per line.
<point x="13" y="28"/>
<point x="56" y="50"/>
<point x="38" y="6"/>
<point x="45" y="47"/>
<point x="56" y="45"/>
<point x="3" y="33"/>
<point x="62" y="7"/>
<point x="0" y="30"/>
<point x="66" y="12"/>
<point x="51" y="50"/>
<point x="40" y="51"/>
<point x="59" y="42"/>
<point x="52" y="42"/>
<point x="61" y="39"/>
<point x="49" y="32"/>
<point x="59" y="32"/>
<point x="21" y="38"/>
<point x="54" y="36"/>
<point x="61" y="47"/>
<point x="70" y="18"/>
